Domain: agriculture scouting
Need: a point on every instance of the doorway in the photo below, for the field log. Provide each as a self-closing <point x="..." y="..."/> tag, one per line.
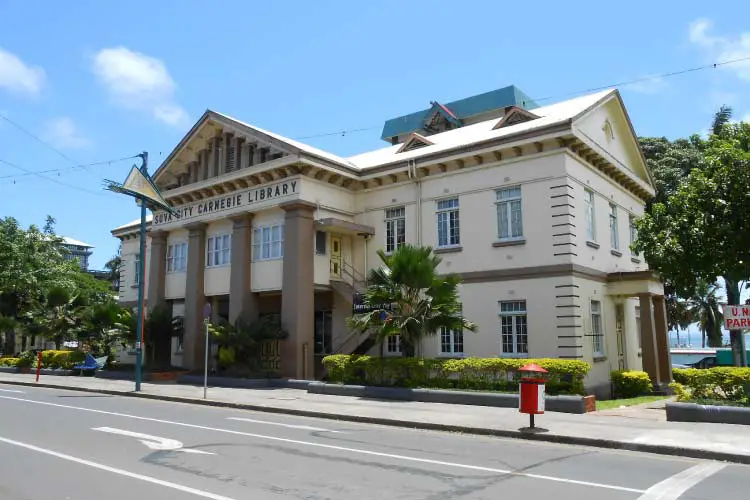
<point x="620" y="331"/>
<point x="335" y="257"/>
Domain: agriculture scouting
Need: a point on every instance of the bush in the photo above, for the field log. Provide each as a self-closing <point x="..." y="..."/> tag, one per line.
<point x="631" y="383"/>
<point x="493" y="374"/>
<point x="9" y="361"/>
<point x="60" y="359"/>
<point x="723" y="383"/>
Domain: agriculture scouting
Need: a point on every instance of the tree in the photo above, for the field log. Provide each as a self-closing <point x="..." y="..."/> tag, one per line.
<point x="101" y="327"/>
<point x="58" y="315"/>
<point x="241" y="343"/>
<point x="408" y="297"/>
<point x="670" y="162"/>
<point x="113" y="266"/>
<point x="158" y="330"/>
<point x="705" y="309"/>
<point x="700" y="232"/>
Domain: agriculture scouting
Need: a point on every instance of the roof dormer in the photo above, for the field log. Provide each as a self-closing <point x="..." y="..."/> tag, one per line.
<point x="513" y="116"/>
<point x="414" y="141"/>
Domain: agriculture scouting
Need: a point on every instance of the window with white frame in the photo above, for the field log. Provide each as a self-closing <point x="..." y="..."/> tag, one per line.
<point x="614" y="236"/>
<point x="514" y="327"/>
<point x="137" y="274"/>
<point x="177" y="258"/>
<point x="597" y="337"/>
<point x="219" y="250"/>
<point x="633" y="229"/>
<point x="509" y="213"/>
<point x="268" y="242"/>
<point x="393" y="344"/>
<point x="451" y="341"/>
<point x="395" y="228"/>
<point x="638" y="326"/>
<point x="588" y="199"/>
<point x="449" y="234"/>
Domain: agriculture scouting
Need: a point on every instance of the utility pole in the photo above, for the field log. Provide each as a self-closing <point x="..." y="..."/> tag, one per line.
<point x="141" y="283"/>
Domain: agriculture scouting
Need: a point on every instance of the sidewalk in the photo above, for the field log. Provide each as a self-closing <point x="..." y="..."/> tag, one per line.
<point x="641" y="428"/>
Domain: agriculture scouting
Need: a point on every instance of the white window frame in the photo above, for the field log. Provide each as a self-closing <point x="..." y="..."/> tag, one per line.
<point x="590" y="204"/>
<point x="596" y="317"/>
<point x="519" y="319"/>
<point x="268" y="242"/>
<point x="638" y="334"/>
<point x="393" y="344"/>
<point x="395" y="228"/>
<point x="448" y="217"/>
<point x="614" y="234"/>
<point x="219" y="250"/>
<point x="504" y="200"/>
<point x="177" y="257"/>
<point x="451" y="338"/>
<point x="137" y="270"/>
<point x="633" y="230"/>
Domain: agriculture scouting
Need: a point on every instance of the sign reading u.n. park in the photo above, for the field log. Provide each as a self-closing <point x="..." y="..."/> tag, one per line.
<point x="737" y="317"/>
<point x="223" y="205"/>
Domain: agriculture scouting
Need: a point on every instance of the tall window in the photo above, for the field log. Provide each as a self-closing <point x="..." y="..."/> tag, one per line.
<point x="588" y="198"/>
<point x="447" y="223"/>
<point x="219" y="250"/>
<point x="137" y="274"/>
<point x="638" y="325"/>
<point x="395" y="228"/>
<point x="514" y="327"/>
<point x="231" y="154"/>
<point x="509" y="213"/>
<point x="268" y="242"/>
<point x="451" y="341"/>
<point x="614" y="236"/>
<point x="393" y="344"/>
<point x="177" y="258"/>
<point x="633" y="230"/>
<point x="596" y="328"/>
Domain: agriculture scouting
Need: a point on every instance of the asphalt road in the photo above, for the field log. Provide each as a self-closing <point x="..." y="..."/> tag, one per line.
<point x="58" y="445"/>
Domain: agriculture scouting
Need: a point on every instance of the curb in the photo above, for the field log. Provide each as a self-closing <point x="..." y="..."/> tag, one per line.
<point x="549" y="438"/>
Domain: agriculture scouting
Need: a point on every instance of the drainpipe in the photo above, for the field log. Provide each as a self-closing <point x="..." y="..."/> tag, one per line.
<point x="412" y="172"/>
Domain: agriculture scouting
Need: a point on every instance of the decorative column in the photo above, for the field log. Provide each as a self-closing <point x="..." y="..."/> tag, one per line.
<point x="239" y="157"/>
<point x="195" y="299"/>
<point x="193" y="168"/>
<point x="663" y="356"/>
<point x="242" y="301"/>
<point x="298" y="290"/>
<point x="648" y="339"/>
<point x="203" y="157"/>
<point x="225" y="141"/>
<point x="156" y="273"/>
<point x="215" y="157"/>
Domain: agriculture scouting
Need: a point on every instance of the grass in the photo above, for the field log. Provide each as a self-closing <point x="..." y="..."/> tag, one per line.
<point x="616" y="403"/>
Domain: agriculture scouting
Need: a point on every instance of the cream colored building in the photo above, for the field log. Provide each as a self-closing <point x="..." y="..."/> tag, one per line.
<point x="532" y="206"/>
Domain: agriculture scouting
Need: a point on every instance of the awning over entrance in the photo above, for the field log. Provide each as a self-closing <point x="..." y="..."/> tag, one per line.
<point x="631" y="284"/>
<point x="332" y="224"/>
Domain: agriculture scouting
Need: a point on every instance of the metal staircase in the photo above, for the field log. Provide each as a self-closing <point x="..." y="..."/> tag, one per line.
<point x="352" y="282"/>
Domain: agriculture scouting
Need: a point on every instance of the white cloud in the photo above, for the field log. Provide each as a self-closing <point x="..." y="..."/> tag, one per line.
<point x="651" y="86"/>
<point x="138" y="81"/>
<point x="722" y="48"/>
<point x="17" y="76"/>
<point x="63" y="133"/>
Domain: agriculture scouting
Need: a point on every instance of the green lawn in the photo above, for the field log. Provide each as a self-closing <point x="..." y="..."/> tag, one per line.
<point x="616" y="403"/>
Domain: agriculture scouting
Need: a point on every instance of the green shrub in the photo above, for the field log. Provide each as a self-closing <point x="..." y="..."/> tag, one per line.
<point x="723" y="383"/>
<point x="493" y="374"/>
<point x="9" y="361"/>
<point x="62" y="359"/>
<point x="630" y="384"/>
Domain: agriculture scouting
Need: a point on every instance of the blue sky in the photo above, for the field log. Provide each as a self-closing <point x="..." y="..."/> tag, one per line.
<point x="106" y="80"/>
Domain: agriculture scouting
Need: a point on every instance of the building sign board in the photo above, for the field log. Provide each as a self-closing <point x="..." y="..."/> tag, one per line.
<point x="238" y="201"/>
<point x="359" y="306"/>
<point x="737" y="317"/>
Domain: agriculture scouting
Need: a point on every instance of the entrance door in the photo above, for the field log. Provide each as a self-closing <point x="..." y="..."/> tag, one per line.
<point x="335" y="257"/>
<point x="620" y="330"/>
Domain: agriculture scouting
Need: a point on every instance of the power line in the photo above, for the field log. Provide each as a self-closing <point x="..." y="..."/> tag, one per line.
<point x="31" y="172"/>
<point x="66" y="169"/>
<point x="340" y="132"/>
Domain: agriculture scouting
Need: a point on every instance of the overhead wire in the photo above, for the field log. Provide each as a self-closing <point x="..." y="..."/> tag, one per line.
<point x="57" y="181"/>
<point x="67" y="169"/>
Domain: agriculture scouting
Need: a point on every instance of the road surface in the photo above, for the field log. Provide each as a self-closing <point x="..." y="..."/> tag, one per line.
<point x="59" y="445"/>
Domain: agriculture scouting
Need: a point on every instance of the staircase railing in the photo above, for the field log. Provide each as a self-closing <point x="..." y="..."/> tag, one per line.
<point x="358" y="280"/>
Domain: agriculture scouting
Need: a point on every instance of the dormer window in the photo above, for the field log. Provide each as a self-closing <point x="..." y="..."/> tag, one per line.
<point x="513" y="116"/>
<point x="440" y="119"/>
<point x="414" y="141"/>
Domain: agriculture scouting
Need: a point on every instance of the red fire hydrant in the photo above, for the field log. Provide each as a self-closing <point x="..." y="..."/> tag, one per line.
<point x="531" y="397"/>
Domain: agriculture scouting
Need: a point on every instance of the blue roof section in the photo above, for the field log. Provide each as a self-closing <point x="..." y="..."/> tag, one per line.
<point x="463" y="108"/>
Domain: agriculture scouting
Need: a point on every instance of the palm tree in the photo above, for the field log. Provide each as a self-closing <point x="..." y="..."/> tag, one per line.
<point x="241" y="343"/>
<point x="408" y="297"/>
<point x="113" y="267"/>
<point x="721" y="118"/>
<point x="58" y="315"/>
<point x="101" y="327"/>
<point x="158" y="330"/>
<point x="705" y="309"/>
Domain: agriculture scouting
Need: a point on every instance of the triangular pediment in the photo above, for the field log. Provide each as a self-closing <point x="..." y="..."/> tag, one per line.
<point x="440" y="118"/>
<point x="414" y="141"/>
<point x="513" y="116"/>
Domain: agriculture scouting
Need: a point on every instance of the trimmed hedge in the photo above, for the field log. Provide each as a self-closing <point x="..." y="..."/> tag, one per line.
<point x="51" y="359"/>
<point x="723" y="383"/>
<point x="481" y="374"/>
<point x="630" y="383"/>
<point x="8" y="361"/>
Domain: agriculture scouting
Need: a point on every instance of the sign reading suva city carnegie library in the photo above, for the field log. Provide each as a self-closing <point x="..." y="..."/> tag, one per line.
<point x="249" y="198"/>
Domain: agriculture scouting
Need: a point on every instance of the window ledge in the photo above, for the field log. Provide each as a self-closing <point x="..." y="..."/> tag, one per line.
<point x="134" y="286"/>
<point x="456" y="355"/>
<point x="635" y="260"/>
<point x="218" y="267"/>
<point x="452" y="249"/>
<point x="599" y="359"/>
<point x="509" y="243"/>
<point x="616" y="253"/>
<point x="592" y="244"/>
<point x="513" y="355"/>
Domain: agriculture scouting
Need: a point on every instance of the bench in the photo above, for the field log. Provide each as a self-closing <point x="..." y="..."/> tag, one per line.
<point x="90" y="363"/>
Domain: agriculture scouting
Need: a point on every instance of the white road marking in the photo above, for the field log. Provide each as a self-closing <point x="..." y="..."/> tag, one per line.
<point x="153" y="442"/>
<point x="133" y="475"/>
<point x="11" y="390"/>
<point x="341" y="448"/>
<point x="673" y="487"/>
<point x="301" y="427"/>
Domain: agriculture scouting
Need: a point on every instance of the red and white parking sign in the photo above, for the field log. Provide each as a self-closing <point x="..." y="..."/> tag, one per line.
<point x="737" y="317"/>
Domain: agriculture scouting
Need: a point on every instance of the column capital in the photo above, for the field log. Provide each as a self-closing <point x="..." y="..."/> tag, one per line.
<point x="196" y="228"/>
<point x="242" y="220"/>
<point x="298" y="206"/>
<point x="158" y="236"/>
